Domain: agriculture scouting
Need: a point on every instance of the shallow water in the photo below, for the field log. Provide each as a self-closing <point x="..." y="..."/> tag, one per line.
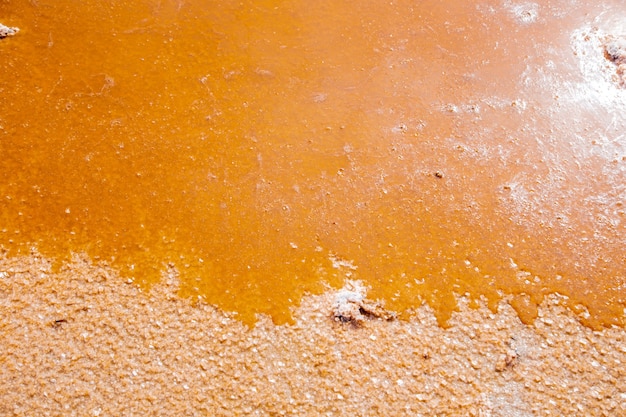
<point x="266" y="150"/>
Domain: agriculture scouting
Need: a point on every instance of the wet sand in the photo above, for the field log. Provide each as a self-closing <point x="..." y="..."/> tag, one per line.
<point x="83" y="341"/>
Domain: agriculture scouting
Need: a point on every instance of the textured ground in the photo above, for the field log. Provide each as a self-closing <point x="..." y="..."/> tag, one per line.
<point x="85" y="342"/>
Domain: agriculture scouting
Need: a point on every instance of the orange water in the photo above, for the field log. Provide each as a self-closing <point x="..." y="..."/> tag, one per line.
<point x="266" y="149"/>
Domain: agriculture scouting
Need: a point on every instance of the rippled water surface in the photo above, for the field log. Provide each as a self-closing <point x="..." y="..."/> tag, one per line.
<point x="267" y="149"/>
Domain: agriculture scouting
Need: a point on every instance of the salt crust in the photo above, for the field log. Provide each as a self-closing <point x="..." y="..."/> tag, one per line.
<point x="84" y="342"/>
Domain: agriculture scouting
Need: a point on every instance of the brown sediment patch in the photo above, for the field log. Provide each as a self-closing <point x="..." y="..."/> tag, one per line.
<point x="85" y="342"/>
<point x="615" y="51"/>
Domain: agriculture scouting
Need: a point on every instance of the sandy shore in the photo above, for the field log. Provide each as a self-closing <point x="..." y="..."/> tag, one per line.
<point x="85" y="342"/>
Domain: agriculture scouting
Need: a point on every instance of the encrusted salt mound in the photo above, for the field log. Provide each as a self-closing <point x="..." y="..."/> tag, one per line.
<point x="7" y="31"/>
<point x="351" y="306"/>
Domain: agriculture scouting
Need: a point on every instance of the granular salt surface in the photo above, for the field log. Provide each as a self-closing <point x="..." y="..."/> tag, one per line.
<point x="83" y="341"/>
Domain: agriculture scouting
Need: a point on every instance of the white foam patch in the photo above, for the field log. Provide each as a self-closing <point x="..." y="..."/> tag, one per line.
<point x="580" y="124"/>
<point x="598" y="85"/>
<point x="339" y="263"/>
<point x="599" y="91"/>
<point x="352" y="292"/>
<point x="525" y="13"/>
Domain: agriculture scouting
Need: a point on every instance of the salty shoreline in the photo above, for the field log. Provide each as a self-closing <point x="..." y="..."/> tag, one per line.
<point x="84" y="341"/>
